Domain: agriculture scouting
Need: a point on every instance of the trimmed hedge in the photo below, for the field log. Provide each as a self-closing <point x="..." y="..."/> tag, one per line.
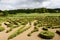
<point x="35" y="30"/>
<point x="2" y="29"/>
<point x="19" y="31"/>
<point x="46" y="35"/>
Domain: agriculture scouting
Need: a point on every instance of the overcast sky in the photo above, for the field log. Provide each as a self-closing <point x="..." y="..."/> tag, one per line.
<point x="20" y="4"/>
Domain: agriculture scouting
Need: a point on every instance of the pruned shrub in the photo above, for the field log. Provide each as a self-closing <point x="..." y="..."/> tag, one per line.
<point x="46" y="34"/>
<point x="45" y="28"/>
<point x="9" y="30"/>
<point x="58" y="32"/>
<point x="35" y="23"/>
<point x="2" y="29"/>
<point x="6" y="23"/>
<point x="38" y="25"/>
<point x="14" y="26"/>
<point x="15" y="22"/>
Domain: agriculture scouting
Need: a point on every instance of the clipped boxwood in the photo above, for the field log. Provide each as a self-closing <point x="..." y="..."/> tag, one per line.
<point x="2" y="29"/>
<point x="46" y="35"/>
<point x="58" y="32"/>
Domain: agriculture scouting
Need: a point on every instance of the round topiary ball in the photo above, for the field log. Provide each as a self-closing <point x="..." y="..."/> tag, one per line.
<point x="46" y="34"/>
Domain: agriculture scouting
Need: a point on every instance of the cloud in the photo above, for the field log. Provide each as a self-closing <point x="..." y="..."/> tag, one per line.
<point x="54" y="4"/>
<point x="20" y="4"/>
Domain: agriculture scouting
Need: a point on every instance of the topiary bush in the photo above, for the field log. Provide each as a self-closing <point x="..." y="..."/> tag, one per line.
<point x="58" y="32"/>
<point x="46" y="34"/>
<point x="2" y="29"/>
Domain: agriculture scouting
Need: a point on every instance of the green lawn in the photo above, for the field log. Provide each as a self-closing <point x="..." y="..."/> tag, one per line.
<point x="35" y="14"/>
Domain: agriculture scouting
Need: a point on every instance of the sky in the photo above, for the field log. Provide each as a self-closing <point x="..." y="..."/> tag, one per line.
<point x="24" y="4"/>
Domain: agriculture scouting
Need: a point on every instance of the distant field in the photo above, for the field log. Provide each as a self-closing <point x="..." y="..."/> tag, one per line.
<point x="31" y="15"/>
<point x="36" y="14"/>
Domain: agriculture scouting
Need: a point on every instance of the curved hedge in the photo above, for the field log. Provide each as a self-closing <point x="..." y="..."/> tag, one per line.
<point x="46" y="35"/>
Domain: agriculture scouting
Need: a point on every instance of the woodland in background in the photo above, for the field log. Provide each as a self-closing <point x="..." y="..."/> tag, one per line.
<point x="36" y="10"/>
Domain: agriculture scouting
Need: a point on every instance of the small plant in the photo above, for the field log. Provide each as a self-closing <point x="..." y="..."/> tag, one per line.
<point x="15" y="22"/>
<point x="38" y="25"/>
<point x="58" y="32"/>
<point x="6" y="23"/>
<point x="9" y="30"/>
<point x="2" y="29"/>
<point x="45" y="28"/>
<point x="46" y="34"/>
<point x="35" y="23"/>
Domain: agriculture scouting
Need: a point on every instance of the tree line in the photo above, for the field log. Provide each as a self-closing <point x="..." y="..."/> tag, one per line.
<point x="36" y="10"/>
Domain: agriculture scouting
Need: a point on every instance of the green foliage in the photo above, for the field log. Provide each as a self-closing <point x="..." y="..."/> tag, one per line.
<point x="2" y="29"/>
<point x="46" y="34"/>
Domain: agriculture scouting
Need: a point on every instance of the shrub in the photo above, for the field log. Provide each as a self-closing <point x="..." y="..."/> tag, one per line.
<point x="44" y="28"/>
<point x="46" y="35"/>
<point x="2" y="29"/>
<point x="15" y="22"/>
<point x="38" y="25"/>
<point x="23" y="23"/>
<point x="35" y="23"/>
<point x="35" y="30"/>
<point x="6" y="23"/>
<point x="58" y="32"/>
<point x="14" y="26"/>
<point x="9" y="30"/>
